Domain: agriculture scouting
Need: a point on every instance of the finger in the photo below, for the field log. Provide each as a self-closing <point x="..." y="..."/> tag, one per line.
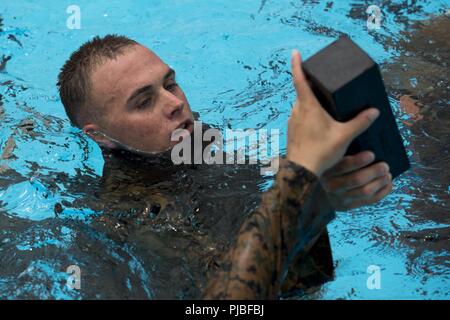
<point x="356" y="179"/>
<point x="370" y="189"/>
<point x="361" y="122"/>
<point x="377" y="197"/>
<point x="351" y="163"/>
<point x="383" y="192"/>
<point x="300" y="83"/>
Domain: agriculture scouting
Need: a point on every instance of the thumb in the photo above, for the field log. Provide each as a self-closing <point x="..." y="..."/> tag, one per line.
<point x="361" y="122"/>
<point x="298" y="76"/>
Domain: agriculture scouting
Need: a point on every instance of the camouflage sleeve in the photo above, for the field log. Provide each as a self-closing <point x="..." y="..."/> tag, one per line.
<point x="276" y="232"/>
<point x="309" y="270"/>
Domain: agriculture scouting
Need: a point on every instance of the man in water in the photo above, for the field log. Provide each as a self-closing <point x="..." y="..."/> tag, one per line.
<point x="123" y="96"/>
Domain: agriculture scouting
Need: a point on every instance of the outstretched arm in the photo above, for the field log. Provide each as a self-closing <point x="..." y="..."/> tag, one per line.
<point x="280" y="228"/>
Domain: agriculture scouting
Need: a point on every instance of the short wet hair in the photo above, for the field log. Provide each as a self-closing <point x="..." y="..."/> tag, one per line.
<point x="74" y="80"/>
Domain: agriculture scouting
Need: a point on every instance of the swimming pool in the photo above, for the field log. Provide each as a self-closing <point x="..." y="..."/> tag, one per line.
<point x="232" y="59"/>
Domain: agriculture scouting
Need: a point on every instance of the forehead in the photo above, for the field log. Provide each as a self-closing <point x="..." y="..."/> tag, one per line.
<point x="117" y="78"/>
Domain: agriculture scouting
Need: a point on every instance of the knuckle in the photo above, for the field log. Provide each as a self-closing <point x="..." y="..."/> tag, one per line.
<point x="385" y="192"/>
<point x="381" y="168"/>
<point x="356" y="180"/>
<point x="367" y="190"/>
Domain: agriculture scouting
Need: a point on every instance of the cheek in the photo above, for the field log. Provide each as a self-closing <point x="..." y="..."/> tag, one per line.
<point x="145" y="131"/>
<point x="144" y="126"/>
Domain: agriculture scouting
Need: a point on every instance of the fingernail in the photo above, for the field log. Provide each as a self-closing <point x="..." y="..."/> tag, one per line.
<point x="370" y="156"/>
<point x="374" y="114"/>
<point x="386" y="167"/>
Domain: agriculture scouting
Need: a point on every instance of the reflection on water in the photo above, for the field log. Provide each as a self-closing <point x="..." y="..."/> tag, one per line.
<point x="60" y="207"/>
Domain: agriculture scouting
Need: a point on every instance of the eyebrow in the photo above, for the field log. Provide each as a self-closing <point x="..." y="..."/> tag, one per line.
<point x="149" y="88"/>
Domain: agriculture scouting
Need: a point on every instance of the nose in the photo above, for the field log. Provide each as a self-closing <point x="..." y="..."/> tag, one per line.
<point x="172" y="104"/>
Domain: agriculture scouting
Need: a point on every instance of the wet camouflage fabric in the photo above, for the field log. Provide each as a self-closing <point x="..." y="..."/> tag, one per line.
<point x="282" y="230"/>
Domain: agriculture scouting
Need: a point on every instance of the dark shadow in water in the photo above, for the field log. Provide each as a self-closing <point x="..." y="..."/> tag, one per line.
<point x="420" y="78"/>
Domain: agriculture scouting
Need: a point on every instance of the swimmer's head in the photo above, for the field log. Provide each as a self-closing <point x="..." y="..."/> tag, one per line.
<point x="121" y="89"/>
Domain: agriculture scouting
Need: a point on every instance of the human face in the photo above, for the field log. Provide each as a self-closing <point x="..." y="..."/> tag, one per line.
<point x="139" y="103"/>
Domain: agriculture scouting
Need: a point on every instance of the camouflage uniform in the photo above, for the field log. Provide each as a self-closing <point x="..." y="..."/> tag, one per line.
<point x="186" y="218"/>
<point x="283" y="239"/>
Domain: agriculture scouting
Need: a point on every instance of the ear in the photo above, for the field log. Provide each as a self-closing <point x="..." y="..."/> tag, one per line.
<point x="94" y="132"/>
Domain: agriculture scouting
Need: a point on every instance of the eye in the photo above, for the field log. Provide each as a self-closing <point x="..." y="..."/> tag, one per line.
<point x="171" y="86"/>
<point x="144" y="103"/>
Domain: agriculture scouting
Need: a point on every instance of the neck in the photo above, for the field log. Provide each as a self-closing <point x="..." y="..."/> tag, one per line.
<point x="132" y="158"/>
<point x="125" y="167"/>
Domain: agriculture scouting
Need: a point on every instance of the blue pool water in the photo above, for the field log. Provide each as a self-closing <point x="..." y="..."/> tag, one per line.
<point x="232" y="60"/>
